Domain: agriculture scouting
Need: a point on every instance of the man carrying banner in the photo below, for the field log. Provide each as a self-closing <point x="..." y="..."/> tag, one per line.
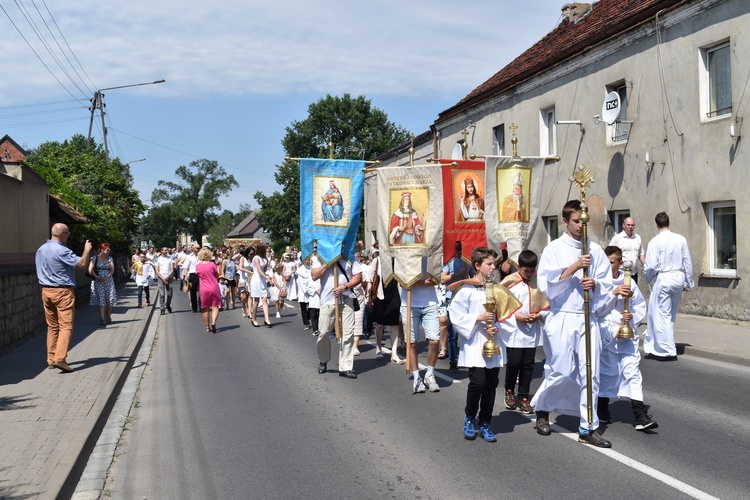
<point x="424" y="311"/>
<point x="350" y="275"/>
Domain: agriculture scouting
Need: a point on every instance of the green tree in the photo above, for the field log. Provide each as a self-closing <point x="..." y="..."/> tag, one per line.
<point x="102" y="192"/>
<point x="160" y="226"/>
<point x="356" y="129"/>
<point x="195" y="201"/>
<point x="226" y="222"/>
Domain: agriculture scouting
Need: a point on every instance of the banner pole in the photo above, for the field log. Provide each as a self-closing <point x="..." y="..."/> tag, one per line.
<point x="407" y="333"/>
<point x="336" y="305"/>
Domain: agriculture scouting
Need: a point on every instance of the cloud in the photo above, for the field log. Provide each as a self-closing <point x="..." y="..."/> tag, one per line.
<point x="232" y="47"/>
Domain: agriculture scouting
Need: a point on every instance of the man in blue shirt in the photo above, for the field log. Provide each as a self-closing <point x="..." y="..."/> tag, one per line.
<point x="56" y="270"/>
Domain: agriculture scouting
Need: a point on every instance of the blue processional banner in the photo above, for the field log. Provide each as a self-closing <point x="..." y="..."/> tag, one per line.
<point x="331" y="194"/>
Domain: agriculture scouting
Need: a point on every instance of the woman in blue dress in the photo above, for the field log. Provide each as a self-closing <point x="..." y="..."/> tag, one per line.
<point x="103" y="294"/>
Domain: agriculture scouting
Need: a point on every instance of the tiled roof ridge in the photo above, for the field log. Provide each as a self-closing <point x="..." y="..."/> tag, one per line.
<point x="606" y="18"/>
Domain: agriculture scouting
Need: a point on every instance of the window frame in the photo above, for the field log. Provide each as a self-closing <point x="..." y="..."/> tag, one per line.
<point x="712" y="250"/>
<point x="708" y="113"/>
<point x="498" y="140"/>
<point x="619" y="132"/>
<point x="549" y="227"/>
<point x="548" y="131"/>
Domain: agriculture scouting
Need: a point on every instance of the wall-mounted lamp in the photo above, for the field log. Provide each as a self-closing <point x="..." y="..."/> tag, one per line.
<point x="570" y="122"/>
<point x="735" y="131"/>
<point x="649" y="163"/>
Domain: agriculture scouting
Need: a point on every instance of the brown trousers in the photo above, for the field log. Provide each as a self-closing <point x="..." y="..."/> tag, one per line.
<point x="59" y="311"/>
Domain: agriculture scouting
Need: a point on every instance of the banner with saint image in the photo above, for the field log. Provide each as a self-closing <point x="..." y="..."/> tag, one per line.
<point x="330" y="206"/>
<point x="464" y="207"/>
<point x="514" y="188"/>
<point x="410" y="222"/>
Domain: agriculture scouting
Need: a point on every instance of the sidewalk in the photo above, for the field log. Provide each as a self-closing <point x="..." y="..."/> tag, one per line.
<point x="50" y="421"/>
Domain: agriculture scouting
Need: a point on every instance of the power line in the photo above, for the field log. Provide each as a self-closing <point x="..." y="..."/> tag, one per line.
<point x="195" y="156"/>
<point x="36" y="54"/>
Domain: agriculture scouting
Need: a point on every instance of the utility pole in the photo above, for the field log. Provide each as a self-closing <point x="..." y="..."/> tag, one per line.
<point x="97" y="102"/>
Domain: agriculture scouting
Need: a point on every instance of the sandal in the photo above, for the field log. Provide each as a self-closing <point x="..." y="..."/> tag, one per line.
<point x="213" y="327"/>
<point x="397" y="361"/>
<point x="208" y="329"/>
<point x="442" y="354"/>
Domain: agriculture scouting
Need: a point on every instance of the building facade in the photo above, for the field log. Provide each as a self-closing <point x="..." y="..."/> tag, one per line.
<point x="675" y="145"/>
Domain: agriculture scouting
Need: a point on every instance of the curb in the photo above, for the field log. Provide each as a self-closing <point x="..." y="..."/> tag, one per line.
<point x="102" y="414"/>
<point x="716" y="356"/>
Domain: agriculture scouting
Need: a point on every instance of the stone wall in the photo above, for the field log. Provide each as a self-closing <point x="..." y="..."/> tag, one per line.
<point x="21" y="310"/>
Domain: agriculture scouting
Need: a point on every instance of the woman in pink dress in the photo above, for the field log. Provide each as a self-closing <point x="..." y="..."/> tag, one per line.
<point x="208" y="276"/>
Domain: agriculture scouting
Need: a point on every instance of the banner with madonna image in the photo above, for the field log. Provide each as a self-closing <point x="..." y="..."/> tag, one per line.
<point x="330" y="195"/>
<point x="464" y="207"/>
<point x="410" y="223"/>
<point x="514" y="186"/>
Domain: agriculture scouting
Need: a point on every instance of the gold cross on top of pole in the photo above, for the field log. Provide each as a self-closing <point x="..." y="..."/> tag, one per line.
<point x="514" y="140"/>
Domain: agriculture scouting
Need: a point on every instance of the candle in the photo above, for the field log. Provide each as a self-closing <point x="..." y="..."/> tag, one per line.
<point x="626" y="279"/>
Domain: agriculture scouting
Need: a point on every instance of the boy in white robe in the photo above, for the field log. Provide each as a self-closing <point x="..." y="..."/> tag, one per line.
<point x="470" y="319"/>
<point x="526" y="335"/>
<point x="619" y="373"/>
<point x="560" y="279"/>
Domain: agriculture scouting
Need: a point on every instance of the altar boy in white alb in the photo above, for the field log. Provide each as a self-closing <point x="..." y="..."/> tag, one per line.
<point x="669" y="267"/>
<point x="619" y="370"/>
<point x="471" y="319"/>
<point x="560" y="279"/>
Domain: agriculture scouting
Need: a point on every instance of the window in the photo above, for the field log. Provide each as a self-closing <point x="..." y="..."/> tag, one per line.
<point x="722" y="239"/>
<point x="619" y="130"/>
<point x="617" y="217"/>
<point x="551" y="225"/>
<point x="717" y="81"/>
<point x="498" y="140"/>
<point x="547" y="132"/>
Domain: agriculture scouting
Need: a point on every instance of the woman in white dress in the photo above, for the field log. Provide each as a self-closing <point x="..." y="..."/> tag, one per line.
<point x="259" y="285"/>
<point x="291" y="280"/>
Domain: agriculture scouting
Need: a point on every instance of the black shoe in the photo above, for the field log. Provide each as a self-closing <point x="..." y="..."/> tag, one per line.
<point x="169" y="309"/>
<point x="542" y="423"/>
<point x="163" y="312"/>
<point x="594" y="439"/>
<point x="348" y="374"/>
<point x="268" y="325"/>
<point x="322" y="368"/>
<point x="644" y="422"/>
<point x="213" y="327"/>
<point x="453" y="366"/>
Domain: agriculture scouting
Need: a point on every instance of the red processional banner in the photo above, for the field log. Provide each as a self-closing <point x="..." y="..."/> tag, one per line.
<point x="463" y="206"/>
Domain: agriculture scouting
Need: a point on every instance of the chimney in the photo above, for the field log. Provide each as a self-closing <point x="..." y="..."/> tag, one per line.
<point x="573" y="12"/>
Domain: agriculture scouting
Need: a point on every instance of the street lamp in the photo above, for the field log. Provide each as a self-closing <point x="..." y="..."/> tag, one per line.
<point x="98" y="103"/>
<point x="127" y="165"/>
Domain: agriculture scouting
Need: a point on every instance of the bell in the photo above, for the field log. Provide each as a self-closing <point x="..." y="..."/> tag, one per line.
<point x="490" y="348"/>
<point x="625" y="332"/>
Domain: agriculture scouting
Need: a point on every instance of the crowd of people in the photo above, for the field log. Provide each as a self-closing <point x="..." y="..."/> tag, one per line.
<point x="539" y="302"/>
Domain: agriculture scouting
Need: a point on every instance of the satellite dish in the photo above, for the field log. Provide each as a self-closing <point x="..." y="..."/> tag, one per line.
<point x="611" y="108"/>
<point x="457" y="153"/>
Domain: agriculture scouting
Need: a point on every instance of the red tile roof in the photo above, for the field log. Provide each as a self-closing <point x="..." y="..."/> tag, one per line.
<point x="607" y="18"/>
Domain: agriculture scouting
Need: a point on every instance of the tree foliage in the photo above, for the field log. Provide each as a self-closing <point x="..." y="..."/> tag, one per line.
<point x="356" y="129"/>
<point x="79" y="174"/>
<point x="195" y="201"/>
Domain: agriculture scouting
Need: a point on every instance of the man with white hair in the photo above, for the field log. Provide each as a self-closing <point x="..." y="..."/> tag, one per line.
<point x="630" y="244"/>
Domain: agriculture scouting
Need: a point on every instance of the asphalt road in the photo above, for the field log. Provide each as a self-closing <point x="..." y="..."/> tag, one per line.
<point x="243" y="414"/>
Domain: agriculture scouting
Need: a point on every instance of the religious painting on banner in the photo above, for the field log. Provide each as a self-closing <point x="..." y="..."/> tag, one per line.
<point x="513" y="191"/>
<point x="464" y="206"/>
<point x="330" y="206"/>
<point x="410" y="220"/>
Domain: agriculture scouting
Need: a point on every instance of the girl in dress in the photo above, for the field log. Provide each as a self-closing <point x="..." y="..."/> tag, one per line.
<point x="281" y="290"/>
<point x="103" y="293"/>
<point x="259" y="285"/>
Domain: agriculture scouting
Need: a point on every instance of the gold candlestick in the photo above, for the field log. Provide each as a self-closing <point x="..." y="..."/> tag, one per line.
<point x="625" y="332"/>
<point x="490" y="348"/>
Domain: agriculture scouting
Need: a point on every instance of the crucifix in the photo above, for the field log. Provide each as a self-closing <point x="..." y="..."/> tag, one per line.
<point x="514" y="139"/>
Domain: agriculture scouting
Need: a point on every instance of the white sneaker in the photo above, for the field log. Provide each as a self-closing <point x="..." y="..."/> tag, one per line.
<point x="419" y="386"/>
<point x="356" y="352"/>
<point x="431" y="383"/>
<point x="278" y="315"/>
